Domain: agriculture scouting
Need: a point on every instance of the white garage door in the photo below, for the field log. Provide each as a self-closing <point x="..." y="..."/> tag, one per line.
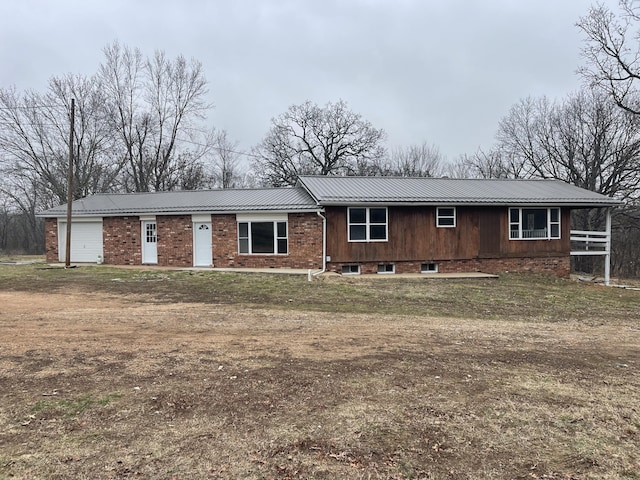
<point x="86" y="241"/>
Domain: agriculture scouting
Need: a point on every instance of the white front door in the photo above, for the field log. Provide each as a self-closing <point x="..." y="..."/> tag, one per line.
<point x="149" y="242"/>
<point x="202" y="256"/>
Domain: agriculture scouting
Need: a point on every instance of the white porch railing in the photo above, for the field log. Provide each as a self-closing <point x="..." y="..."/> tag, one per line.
<point x="589" y="243"/>
<point x="594" y="243"/>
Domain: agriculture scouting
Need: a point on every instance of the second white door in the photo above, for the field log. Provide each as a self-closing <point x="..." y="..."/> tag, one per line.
<point x="202" y="255"/>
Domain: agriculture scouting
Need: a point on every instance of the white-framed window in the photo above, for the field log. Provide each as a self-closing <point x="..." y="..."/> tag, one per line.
<point x="429" y="268"/>
<point x="534" y="223"/>
<point x="351" y="270"/>
<point x="367" y="224"/>
<point x="386" y="268"/>
<point x="262" y="238"/>
<point x="446" y="217"/>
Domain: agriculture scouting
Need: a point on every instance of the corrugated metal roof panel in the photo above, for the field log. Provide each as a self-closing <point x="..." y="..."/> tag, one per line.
<point x="405" y="190"/>
<point x="210" y="201"/>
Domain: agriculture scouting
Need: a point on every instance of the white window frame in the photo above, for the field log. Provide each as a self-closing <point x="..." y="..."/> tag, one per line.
<point x="439" y="217"/>
<point x="384" y="268"/>
<point x="534" y="236"/>
<point x="424" y="267"/>
<point x="349" y="269"/>
<point x="276" y="237"/>
<point x="368" y="224"/>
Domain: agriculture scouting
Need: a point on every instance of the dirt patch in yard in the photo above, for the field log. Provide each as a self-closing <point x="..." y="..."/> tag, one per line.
<point x="102" y="385"/>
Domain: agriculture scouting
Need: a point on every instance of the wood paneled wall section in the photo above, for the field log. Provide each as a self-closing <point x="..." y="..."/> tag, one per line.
<point x="480" y="232"/>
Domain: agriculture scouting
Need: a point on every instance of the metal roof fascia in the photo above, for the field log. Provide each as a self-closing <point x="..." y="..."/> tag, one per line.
<point x="479" y="203"/>
<point x="138" y="213"/>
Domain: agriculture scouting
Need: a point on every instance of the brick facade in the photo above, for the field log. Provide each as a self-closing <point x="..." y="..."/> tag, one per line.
<point x="122" y="240"/>
<point x="305" y="244"/>
<point x="122" y="237"/>
<point x="175" y="240"/>
<point x="559" y="266"/>
<point x="51" y="240"/>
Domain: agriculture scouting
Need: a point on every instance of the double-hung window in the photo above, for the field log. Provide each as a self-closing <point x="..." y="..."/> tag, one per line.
<point x="367" y="224"/>
<point x="262" y="238"/>
<point x="446" y="216"/>
<point x="534" y="223"/>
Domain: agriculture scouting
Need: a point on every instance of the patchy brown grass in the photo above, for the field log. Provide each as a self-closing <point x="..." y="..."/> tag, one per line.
<point x="109" y="373"/>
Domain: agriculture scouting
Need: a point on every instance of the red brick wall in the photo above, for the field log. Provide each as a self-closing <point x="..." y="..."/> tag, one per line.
<point x="305" y="244"/>
<point x="559" y="266"/>
<point x="175" y="240"/>
<point x="51" y="240"/>
<point x="225" y="240"/>
<point x="122" y="240"/>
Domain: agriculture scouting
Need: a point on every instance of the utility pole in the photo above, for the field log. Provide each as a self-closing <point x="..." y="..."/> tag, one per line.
<point x="67" y="260"/>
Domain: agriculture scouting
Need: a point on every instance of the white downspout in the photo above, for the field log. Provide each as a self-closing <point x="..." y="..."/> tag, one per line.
<point x="324" y="246"/>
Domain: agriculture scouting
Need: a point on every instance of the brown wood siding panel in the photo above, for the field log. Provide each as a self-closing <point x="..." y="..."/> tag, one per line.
<point x="413" y="235"/>
<point x="491" y="238"/>
<point x="480" y="232"/>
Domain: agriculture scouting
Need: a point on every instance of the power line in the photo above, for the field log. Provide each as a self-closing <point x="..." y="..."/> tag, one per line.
<point x="246" y="154"/>
<point x="31" y="107"/>
<point x="10" y="124"/>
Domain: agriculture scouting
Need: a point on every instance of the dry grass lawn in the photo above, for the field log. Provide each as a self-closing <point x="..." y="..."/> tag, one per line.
<point x="108" y="373"/>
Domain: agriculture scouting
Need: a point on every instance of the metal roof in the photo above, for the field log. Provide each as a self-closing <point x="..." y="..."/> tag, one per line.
<point x="319" y="191"/>
<point x="437" y="191"/>
<point x="201" y="201"/>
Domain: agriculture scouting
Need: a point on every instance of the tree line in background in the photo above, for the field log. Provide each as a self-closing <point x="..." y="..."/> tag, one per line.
<point x="140" y="126"/>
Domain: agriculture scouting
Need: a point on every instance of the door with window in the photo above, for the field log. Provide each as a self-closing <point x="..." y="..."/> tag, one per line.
<point x="149" y="242"/>
<point x="202" y="254"/>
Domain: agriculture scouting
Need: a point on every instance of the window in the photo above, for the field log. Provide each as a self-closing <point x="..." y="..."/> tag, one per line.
<point x="386" y="268"/>
<point x="256" y="238"/>
<point x="429" y="268"/>
<point x="534" y="223"/>
<point x="446" y="216"/>
<point x="150" y="232"/>
<point x="351" y="270"/>
<point x="367" y="224"/>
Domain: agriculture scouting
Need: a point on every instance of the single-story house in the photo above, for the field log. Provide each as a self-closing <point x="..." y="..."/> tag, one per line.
<point x="348" y="225"/>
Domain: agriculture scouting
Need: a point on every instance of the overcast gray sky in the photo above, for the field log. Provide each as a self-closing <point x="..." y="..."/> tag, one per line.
<point x="440" y="71"/>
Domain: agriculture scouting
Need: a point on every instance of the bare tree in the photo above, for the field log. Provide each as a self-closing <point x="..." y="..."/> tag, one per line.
<point x="308" y="139"/>
<point x="152" y="104"/>
<point x="35" y="136"/>
<point x="34" y="150"/>
<point x="226" y="161"/>
<point x="612" y="52"/>
<point x="421" y="160"/>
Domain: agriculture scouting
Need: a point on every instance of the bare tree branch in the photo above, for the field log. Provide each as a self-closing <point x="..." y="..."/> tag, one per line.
<point x="308" y="139"/>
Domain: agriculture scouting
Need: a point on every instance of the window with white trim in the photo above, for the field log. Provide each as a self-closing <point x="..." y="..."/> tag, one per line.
<point x="534" y="223"/>
<point x="367" y="224"/>
<point x="446" y="217"/>
<point x="262" y="238"/>
<point x="429" y="268"/>
<point x="386" y="268"/>
<point x="351" y="269"/>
